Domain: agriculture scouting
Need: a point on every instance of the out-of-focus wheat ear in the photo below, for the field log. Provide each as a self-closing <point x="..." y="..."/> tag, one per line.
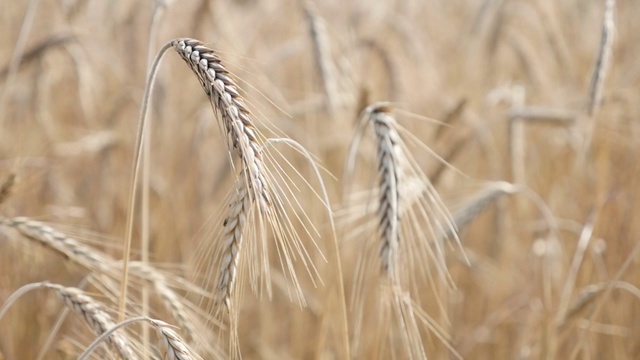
<point x="233" y="233"/>
<point x="389" y="173"/>
<point x="36" y="51"/>
<point x="322" y="55"/>
<point x="7" y="187"/>
<point x="96" y="317"/>
<point x="603" y="60"/>
<point x="480" y="201"/>
<point x="589" y="294"/>
<point x="91" y="311"/>
<point x="97" y="261"/>
<point x="242" y="137"/>
<point x="173" y="346"/>
<point x="61" y="243"/>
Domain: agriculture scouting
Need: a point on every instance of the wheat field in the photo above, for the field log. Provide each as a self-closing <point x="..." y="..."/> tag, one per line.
<point x="396" y="179"/>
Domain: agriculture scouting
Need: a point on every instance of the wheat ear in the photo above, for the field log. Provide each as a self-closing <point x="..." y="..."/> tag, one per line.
<point x="61" y="243"/>
<point x="96" y="317"/>
<point x="173" y="346"/>
<point x="388" y="153"/>
<point x="603" y="59"/>
<point x="322" y="54"/>
<point x="480" y="201"/>
<point x="241" y="134"/>
<point x="234" y="226"/>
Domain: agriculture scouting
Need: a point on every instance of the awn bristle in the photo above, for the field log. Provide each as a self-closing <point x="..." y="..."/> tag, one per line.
<point x="61" y="243"/>
<point x="96" y="317"/>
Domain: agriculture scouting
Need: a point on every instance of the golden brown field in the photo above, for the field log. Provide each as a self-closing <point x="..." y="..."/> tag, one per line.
<point x="372" y="129"/>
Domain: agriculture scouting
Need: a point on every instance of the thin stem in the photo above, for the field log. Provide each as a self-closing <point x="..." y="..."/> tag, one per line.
<point x="158" y="11"/>
<point x="18" y="293"/>
<point x="134" y="178"/>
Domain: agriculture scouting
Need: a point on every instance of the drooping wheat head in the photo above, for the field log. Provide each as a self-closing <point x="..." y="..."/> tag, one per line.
<point x="242" y="137"/>
<point x="264" y="204"/>
<point x="96" y="317"/>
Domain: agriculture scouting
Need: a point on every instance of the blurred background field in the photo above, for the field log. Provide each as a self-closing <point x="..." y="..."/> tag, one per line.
<point x="553" y="270"/>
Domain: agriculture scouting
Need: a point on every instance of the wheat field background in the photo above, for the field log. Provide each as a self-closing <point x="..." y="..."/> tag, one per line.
<point x="534" y="104"/>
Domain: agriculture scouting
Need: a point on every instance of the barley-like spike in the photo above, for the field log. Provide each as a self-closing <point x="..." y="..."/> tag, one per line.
<point x="479" y="202"/>
<point x="234" y="226"/>
<point x="241" y="134"/>
<point x="96" y="317"/>
<point x="60" y="242"/>
<point x="389" y="170"/>
<point x="174" y="347"/>
<point x="322" y="54"/>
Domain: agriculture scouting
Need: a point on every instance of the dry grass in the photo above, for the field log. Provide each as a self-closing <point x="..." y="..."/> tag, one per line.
<point x="231" y="233"/>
